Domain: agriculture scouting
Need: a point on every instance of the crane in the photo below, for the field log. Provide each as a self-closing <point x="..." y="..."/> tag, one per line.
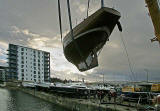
<point x="154" y="12"/>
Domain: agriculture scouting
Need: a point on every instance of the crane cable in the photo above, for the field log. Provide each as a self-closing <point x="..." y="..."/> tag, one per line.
<point x="60" y="21"/>
<point x="129" y="62"/>
<point x="158" y="3"/>
<point x="71" y="31"/>
<point x="88" y="7"/>
<point x="125" y="48"/>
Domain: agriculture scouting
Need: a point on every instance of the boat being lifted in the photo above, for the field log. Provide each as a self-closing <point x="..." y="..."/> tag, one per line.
<point x="89" y="37"/>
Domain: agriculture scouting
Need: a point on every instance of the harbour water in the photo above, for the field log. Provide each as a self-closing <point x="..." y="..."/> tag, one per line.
<point x="12" y="100"/>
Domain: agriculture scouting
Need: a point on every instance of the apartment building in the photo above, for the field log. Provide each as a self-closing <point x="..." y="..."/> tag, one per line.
<point x="27" y="64"/>
<point x="3" y="73"/>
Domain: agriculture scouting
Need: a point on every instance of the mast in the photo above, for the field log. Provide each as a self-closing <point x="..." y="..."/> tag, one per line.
<point x="154" y="11"/>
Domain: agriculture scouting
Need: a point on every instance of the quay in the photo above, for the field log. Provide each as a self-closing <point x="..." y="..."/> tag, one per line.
<point x="73" y="103"/>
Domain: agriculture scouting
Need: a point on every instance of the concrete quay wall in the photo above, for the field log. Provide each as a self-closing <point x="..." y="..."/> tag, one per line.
<point x="69" y="103"/>
<point x="72" y="103"/>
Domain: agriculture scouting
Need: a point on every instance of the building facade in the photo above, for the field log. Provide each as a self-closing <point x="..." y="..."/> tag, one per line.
<point x="3" y="73"/>
<point x="27" y="64"/>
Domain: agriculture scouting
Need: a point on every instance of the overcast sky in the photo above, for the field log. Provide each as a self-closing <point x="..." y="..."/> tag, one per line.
<point x="34" y="23"/>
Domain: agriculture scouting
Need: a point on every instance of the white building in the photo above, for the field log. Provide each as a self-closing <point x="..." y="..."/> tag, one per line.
<point x="27" y="64"/>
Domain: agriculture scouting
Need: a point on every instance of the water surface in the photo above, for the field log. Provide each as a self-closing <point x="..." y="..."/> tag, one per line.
<point x="12" y="100"/>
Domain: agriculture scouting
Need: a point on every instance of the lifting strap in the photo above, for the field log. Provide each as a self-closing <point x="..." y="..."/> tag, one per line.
<point x="71" y="30"/>
<point x="102" y="3"/>
<point x="125" y="48"/>
<point x="88" y="7"/>
<point x="60" y="21"/>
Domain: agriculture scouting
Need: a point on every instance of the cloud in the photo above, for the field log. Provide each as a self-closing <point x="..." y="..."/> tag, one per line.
<point x="36" y="25"/>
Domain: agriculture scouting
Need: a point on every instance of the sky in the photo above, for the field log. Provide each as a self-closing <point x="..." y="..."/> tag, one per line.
<point x="34" y="23"/>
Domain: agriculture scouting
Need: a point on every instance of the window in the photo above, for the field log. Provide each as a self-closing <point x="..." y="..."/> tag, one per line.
<point x="22" y="62"/>
<point x="22" y="70"/>
<point x="38" y="72"/>
<point x="34" y="76"/>
<point x="34" y="68"/>
<point x="22" y="66"/>
<point x="34" y="72"/>
<point x="22" y="49"/>
<point x="22" y="53"/>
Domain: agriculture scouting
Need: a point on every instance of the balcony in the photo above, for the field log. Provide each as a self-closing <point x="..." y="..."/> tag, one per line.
<point x="46" y="67"/>
<point x="46" y="60"/>
<point x="46" y="55"/>
<point x="12" y="62"/>
<point x="12" y="57"/>
<point x="46" y="72"/>
<point x="12" y="49"/>
<point x="13" y="71"/>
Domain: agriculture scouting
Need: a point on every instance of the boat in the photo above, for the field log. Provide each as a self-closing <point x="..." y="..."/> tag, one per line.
<point x="70" y="89"/>
<point x="89" y="38"/>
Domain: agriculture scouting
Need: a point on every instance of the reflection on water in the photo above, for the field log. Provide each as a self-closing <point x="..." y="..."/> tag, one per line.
<point x="11" y="100"/>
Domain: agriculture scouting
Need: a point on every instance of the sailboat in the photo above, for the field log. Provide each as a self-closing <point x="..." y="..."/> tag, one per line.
<point x="90" y="36"/>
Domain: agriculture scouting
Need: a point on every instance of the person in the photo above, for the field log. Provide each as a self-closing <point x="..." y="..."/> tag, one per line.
<point x="115" y="96"/>
<point x="109" y="96"/>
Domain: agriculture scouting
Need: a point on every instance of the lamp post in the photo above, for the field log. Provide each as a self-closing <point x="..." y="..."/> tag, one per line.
<point x="103" y="78"/>
<point x="146" y="70"/>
